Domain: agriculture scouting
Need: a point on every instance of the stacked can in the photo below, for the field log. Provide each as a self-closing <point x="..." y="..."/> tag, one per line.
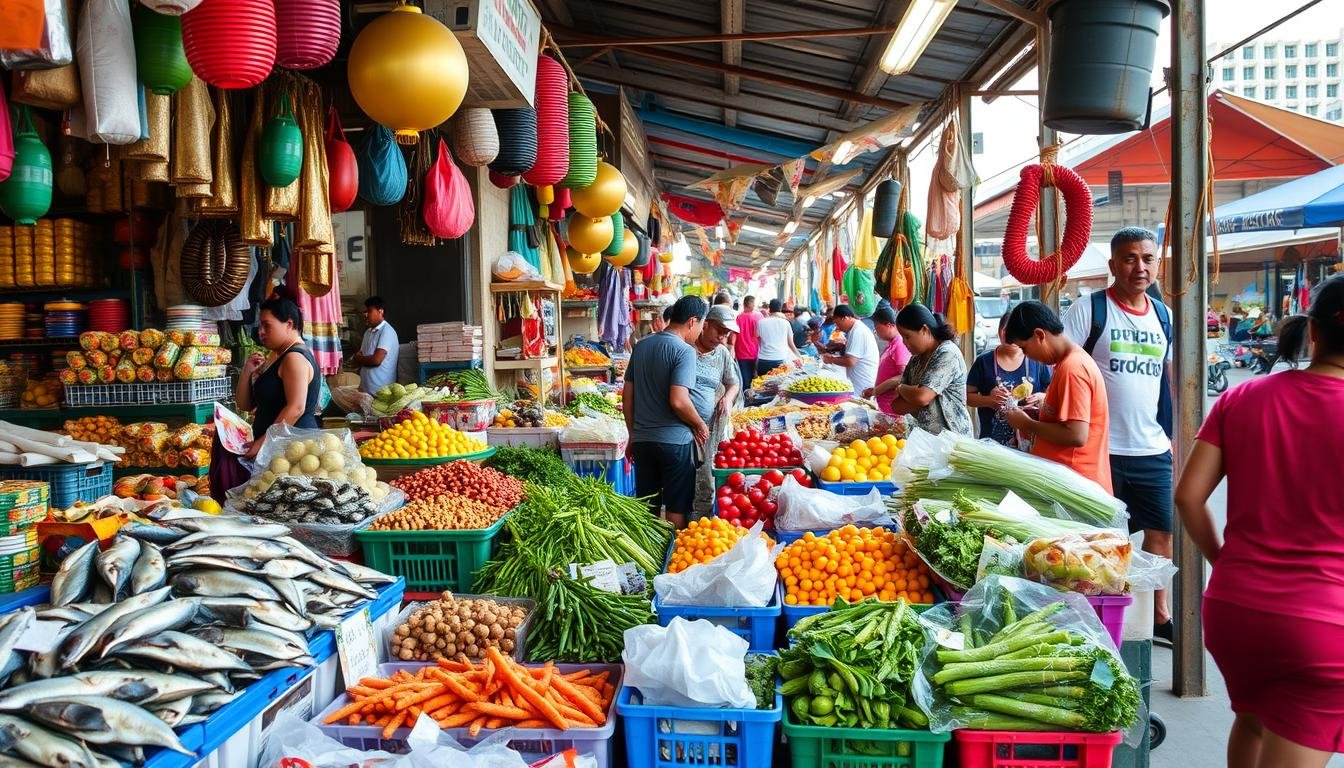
<point x="22" y="504"/>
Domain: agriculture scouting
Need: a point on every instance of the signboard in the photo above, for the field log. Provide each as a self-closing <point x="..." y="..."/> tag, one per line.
<point x="352" y="264"/>
<point x="1115" y="187"/>
<point x="357" y="647"/>
<point x="1259" y="221"/>
<point x="501" y="39"/>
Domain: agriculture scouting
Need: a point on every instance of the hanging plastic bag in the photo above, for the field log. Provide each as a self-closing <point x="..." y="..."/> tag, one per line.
<point x="107" y="69"/>
<point x="342" y="167"/>
<point x="742" y="577"/>
<point x="858" y="287"/>
<point x="448" y="210"/>
<point x="510" y="266"/>
<point x="809" y="509"/>
<point x="55" y="49"/>
<point x="687" y="664"/>
<point x="382" y="168"/>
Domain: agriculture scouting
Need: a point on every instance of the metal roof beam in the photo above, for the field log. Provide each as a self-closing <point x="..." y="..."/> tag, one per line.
<point x="732" y="20"/>
<point x="574" y="39"/>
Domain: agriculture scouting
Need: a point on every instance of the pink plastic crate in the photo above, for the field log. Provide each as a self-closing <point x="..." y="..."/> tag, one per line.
<point x="1008" y="749"/>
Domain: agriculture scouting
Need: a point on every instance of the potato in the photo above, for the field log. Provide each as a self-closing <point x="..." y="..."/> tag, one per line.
<point x="280" y="465"/>
<point x="309" y="464"/>
<point x="295" y="451"/>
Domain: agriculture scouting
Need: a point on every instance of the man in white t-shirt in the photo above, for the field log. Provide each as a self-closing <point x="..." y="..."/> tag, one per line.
<point x="1131" y="345"/>
<point x="860" y="356"/>
<point x="775" y="336"/>
<point x="377" y="356"/>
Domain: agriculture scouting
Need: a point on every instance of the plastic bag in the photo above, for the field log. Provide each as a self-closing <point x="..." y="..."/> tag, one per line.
<point x="55" y="49"/>
<point x="806" y="509"/>
<point x="1148" y="572"/>
<point x="595" y="429"/>
<point x="6" y="137"/>
<point x="292" y="741"/>
<point x="1090" y="564"/>
<point x="511" y="266"/>
<point x="382" y="168"/>
<point x="742" y="577"/>
<point x="107" y="70"/>
<point x="328" y="453"/>
<point x="687" y="664"/>
<point x="448" y="209"/>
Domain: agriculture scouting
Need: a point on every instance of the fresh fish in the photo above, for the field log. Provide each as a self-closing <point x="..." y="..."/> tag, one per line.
<point x="74" y="579"/>
<point x="269" y="666"/>
<point x="287" y="569"/>
<point x="239" y="564"/>
<point x="118" y="755"/>
<point x="66" y="615"/>
<point x="83" y="638"/>
<point x="161" y="535"/>
<point x="102" y="594"/>
<point x="221" y="583"/>
<point x="44" y="665"/>
<point x="150" y="621"/>
<point x="289" y="637"/>
<point x="42" y="747"/>
<point x="363" y="574"/>
<point x="101" y="720"/>
<point x="231" y="547"/>
<point x="172" y="712"/>
<point x="300" y="551"/>
<point x="9" y="761"/>
<point x="220" y="681"/>
<point x="231" y="525"/>
<point x="252" y="642"/>
<point x="150" y="571"/>
<point x="182" y="651"/>
<point x="134" y="686"/>
<point x="12" y="628"/>
<point x="336" y="581"/>
<point x="277" y="615"/>
<point x="291" y="593"/>
<point x="115" y="563"/>
<point x="191" y="719"/>
<point x="326" y="620"/>
<point x="206" y="703"/>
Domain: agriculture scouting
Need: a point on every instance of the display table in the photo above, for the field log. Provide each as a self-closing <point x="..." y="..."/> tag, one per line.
<point x="48" y="418"/>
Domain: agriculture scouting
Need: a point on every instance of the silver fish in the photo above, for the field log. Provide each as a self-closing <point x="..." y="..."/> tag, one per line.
<point x="336" y="581"/>
<point x="302" y="661"/>
<point x="150" y="621"/>
<point x="220" y="681"/>
<point x="172" y="712"/>
<point x="74" y="579"/>
<point x="114" y="564"/>
<point x="101" y="720"/>
<point x="300" y="551"/>
<point x="291" y="592"/>
<point x="287" y="569"/>
<point x="149" y="571"/>
<point x="115" y="755"/>
<point x="182" y="651"/>
<point x="230" y="547"/>
<point x="190" y="719"/>
<point x="66" y="615"/>
<point x="252" y="642"/>
<point x="39" y="745"/>
<point x="232" y="525"/>
<point x="189" y="561"/>
<point x="44" y="665"/>
<point x="83" y="638"/>
<point x="161" y="535"/>
<point x="206" y="703"/>
<point x="9" y="761"/>
<point x="326" y="620"/>
<point x="363" y="574"/>
<point x="12" y="628"/>
<point x="134" y="686"/>
<point x="222" y="583"/>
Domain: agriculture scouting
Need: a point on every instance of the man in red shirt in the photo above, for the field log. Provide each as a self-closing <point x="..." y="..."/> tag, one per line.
<point x="745" y="345"/>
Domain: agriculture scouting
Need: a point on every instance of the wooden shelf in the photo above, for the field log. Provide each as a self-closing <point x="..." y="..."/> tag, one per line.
<point x="526" y="364"/>
<point x="525" y="285"/>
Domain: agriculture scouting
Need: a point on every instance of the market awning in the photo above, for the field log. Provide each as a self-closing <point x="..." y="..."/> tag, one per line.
<point x="1312" y="201"/>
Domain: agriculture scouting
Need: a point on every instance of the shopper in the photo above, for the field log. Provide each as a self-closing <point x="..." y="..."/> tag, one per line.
<point x="859" y="357"/>
<point x="933" y="385"/>
<point x="812" y="346"/>
<point x="799" y="324"/>
<point x="282" y="386"/>
<point x="1073" y="426"/>
<point x="774" y="334"/>
<point x="376" y="359"/>
<point x="1128" y="333"/>
<point x="891" y="364"/>
<point x="745" y="344"/>
<point x="1277" y="442"/>
<point x="716" y="390"/>
<point x="666" y="432"/>
<point x="990" y="384"/>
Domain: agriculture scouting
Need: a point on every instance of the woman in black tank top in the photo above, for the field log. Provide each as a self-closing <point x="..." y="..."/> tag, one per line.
<point x="282" y="386"/>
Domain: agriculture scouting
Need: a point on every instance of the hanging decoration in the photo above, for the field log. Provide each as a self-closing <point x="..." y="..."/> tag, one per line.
<point x="885" y="199"/>
<point x="448" y="209"/>
<point x="411" y="212"/>
<point x="171" y="7"/>
<point x="281" y="151"/>
<point x="582" y="143"/>
<point x="951" y="174"/>
<point x="629" y="250"/>
<point x="382" y="167"/>
<point x="644" y="252"/>
<point x="475" y="139"/>
<point x="6" y="137"/>
<point x="702" y="213"/>
<point x="308" y="32"/>
<point x="231" y="43"/>
<point x="160" y="62"/>
<point x="314" y="237"/>
<point x="523" y="236"/>
<point x="503" y="182"/>
<point x="517" y="129"/>
<point x="25" y="195"/>
<point x="552" y="103"/>
<point x="583" y="263"/>
<point x="589" y="235"/>
<point x="106" y="51"/>
<point x="223" y="200"/>
<point x="256" y="229"/>
<point x="215" y="262"/>
<point x="617" y="237"/>
<point x="556" y="211"/>
<point x="341" y="165"/>
<point x="865" y="247"/>
<point x="407" y="71"/>
<point x="1077" y="226"/>
<point x="604" y="196"/>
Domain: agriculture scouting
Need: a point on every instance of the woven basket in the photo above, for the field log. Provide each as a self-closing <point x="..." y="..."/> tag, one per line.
<point x="475" y="139"/>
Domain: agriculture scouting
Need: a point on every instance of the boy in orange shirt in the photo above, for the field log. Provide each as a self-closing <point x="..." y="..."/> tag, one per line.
<point x="1074" y="420"/>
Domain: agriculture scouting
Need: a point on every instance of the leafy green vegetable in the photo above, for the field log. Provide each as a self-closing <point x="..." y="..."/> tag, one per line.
<point x="542" y="466"/>
<point x="592" y="402"/>
<point x="761" y="668"/>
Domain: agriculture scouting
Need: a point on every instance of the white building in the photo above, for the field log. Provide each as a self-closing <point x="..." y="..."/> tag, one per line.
<point x="1302" y="75"/>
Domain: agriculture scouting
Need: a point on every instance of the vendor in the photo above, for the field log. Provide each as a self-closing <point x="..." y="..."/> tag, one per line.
<point x="933" y="388"/>
<point x="716" y="389"/>
<point x="859" y="358"/>
<point x="891" y="364"/>
<point x="377" y="356"/>
<point x="282" y="387"/>
<point x="990" y="384"/>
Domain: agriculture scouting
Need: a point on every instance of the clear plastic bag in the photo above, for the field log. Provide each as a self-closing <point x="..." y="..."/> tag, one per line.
<point x="323" y="453"/>
<point x="742" y="577"/>
<point x="595" y="429"/>
<point x="291" y="741"/>
<point x="688" y="664"/>
<point x="807" y="509"/>
<point x="1087" y="563"/>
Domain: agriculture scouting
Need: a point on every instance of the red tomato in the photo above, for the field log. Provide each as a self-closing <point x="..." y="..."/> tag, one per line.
<point x="773" y="477"/>
<point x="724" y="490"/>
<point x="737" y="478"/>
<point x="742" y="502"/>
<point x="724" y="445"/>
<point x="769" y="508"/>
<point x="756" y="496"/>
<point x="726" y="505"/>
<point x="736" y="463"/>
<point x="800" y="475"/>
<point x="763" y="485"/>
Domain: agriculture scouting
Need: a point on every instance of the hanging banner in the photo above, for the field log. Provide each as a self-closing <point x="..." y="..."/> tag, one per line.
<point x="702" y="213"/>
<point x="876" y="135"/>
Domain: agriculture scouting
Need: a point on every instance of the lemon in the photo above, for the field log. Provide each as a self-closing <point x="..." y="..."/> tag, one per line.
<point x="846" y="473"/>
<point x="865" y="463"/>
<point x="830" y="474"/>
<point x="876" y="475"/>
<point x="207" y="505"/>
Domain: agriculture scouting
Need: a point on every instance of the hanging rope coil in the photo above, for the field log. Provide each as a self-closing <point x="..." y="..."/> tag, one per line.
<point x="1050" y="268"/>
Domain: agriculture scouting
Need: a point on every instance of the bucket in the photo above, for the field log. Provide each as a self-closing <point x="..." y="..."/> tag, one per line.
<point x="1101" y="64"/>
<point x="464" y="416"/>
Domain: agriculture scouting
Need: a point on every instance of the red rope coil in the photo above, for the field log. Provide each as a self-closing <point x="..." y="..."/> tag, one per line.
<point x="1077" y="227"/>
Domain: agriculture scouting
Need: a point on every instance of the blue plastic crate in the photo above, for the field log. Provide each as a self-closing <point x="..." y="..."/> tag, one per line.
<point x="672" y="737"/>
<point x="795" y="613"/>
<point x="755" y="625"/>
<point x="31" y="596"/>
<point x="884" y="487"/>
<point x="618" y="472"/>
<point x="69" y="482"/>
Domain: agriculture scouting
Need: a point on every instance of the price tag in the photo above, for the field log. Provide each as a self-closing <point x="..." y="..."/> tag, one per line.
<point x="41" y="637"/>
<point x="603" y="574"/>
<point x="357" y="647"/>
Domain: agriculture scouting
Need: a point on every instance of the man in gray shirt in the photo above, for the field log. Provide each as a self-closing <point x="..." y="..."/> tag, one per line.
<point x="665" y="429"/>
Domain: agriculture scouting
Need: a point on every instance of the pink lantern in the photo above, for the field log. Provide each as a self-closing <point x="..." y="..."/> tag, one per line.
<point x="309" y="32"/>
<point x="552" y="100"/>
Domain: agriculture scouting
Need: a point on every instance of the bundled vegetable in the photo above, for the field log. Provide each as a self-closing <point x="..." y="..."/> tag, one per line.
<point x="853" y="666"/>
<point x="761" y="671"/>
<point x="532" y="465"/>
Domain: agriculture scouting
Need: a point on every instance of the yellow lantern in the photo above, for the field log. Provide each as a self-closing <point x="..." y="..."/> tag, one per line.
<point x="629" y="251"/>
<point x="604" y="196"/>
<point x="590" y="235"/>
<point x="407" y="71"/>
<point x="583" y="263"/>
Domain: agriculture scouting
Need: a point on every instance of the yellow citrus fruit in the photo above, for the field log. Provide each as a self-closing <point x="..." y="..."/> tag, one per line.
<point x="830" y="474"/>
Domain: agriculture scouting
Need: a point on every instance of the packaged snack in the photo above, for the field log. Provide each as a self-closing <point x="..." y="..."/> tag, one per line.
<point x="167" y="354"/>
<point x="191" y="356"/>
<point x="98" y="358"/>
<point x="186" y="435"/>
<point x="107" y="342"/>
<point x="194" y="457"/>
<point x="152" y="338"/>
<point x="156" y="442"/>
<point x="69" y="376"/>
<point x="76" y="360"/>
<point x="182" y="371"/>
<point x="144" y="373"/>
<point x="1087" y="563"/>
<point x="88" y="340"/>
<point x="86" y="376"/>
<point x="143" y="356"/>
<point x="140" y="429"/>
<point x="163" y="374"/>
<point x="128" y="340"/>
<point x="106" y="374"/>
<point x="209" y="372"/>
<point x="126" y="371"/>
<point x="224" y="357"/>
<point x="170" y="458"/>
<point x="202" y="339"/>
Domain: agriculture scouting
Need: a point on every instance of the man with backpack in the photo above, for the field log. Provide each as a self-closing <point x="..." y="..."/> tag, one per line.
<point x="1128" y="334"/>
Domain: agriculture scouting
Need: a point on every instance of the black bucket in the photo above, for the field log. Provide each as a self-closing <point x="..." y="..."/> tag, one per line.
<point x="1101" y="64"/>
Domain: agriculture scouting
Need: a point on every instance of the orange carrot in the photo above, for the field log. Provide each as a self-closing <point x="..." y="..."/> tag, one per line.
<point x="454" y="666"/>
<point x="392" y="726"/>
<point x="474" y="729"/>
<point x="458" y="720"/>
<point x="547" y="709"/>
<point x="494" y="722"/>
<point x="531" y="724"/>
<point x="498" y="710"/>
<point x="452" y="684"/>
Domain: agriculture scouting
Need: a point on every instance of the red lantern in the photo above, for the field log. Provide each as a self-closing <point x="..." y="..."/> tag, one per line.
<point x="309" y="32"/>
<point x="342" y="167"/>
<point x="502" y="181"/>
<point x="557" y="209"/>
<point x="552" y="100"/>
<point x="230" y="43"/>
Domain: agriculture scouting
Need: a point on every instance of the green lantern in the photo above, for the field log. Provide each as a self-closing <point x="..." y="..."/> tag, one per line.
<point x="160" y="60"/>
<point x="618" y="235"/>
<point x="26" y="195"/>
<point x="280" y="156"/>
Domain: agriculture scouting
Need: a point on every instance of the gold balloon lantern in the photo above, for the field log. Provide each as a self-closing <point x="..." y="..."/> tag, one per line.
<point x="604" y="196"/>
<point x="407" y="71"/>
<point x="583" y="263"/>
<point x="629" y="251"/>
<point x="590" y="235"/>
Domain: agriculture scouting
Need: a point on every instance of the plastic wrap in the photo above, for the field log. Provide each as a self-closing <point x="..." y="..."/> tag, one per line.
<point x="333" y="540"/>
<point x="687" y="664"/>
<point x="806" y="509"/>
<point x="595" y="429"/>
<point x="742" y="577"/>
<point x="56" y="49"/>
<point x="293" y="742"/>
<point x="1090" y="564"/>
<point x="323" y="453"/>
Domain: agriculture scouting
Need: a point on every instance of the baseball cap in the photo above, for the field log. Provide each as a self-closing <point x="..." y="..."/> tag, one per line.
<point x="723" y="315"/>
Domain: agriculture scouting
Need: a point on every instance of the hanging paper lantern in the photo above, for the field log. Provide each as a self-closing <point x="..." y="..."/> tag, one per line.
<point x="160" y="61"/>
<point x="618" y="235"/>
<point x="583" y="263"/>
<point x="502" y="181"/>
<point x="556" y="210"/>
<point x="25" y="196"/>
<point x="171" y="7"/>
<point x="517" y="129"/>
<point x="582" y="143"/>
<point x="475" y="139"/>
<point x="643" y="254"/>
<point x="230" y="43"/>
<point x="552" y="103"/>
<point x="342" y="167"/>
<point x="280" y="154"/>
<point x="407" y="71"/>
<point x="629" y="250"/>
<point x="604" y="196"/>
<point x="589" y="235"/>
<point x="309" y="32"/>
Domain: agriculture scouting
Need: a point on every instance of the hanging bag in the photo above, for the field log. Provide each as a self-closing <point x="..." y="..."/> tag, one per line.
<point x="54" y="50"/>
<point x="106" y="54"/>
<point x="6" y="137"/>
<point x="449" y="212"/>
<point x="382" y="168"/>
<point x="341" y="166"/>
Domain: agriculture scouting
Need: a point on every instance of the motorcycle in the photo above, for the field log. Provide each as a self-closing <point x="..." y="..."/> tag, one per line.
<point x="1218" y="368"/>
<point x="1264" y="354"/>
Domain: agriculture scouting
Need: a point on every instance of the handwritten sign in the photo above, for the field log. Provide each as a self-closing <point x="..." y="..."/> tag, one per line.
<point x="357" y="646"/>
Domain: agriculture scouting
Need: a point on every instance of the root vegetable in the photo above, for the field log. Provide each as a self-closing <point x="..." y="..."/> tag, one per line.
<point x="448" y="512"/>
<point x="453" y="627"/>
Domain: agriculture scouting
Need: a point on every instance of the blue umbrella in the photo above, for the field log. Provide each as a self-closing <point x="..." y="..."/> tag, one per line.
<point x="1311" y="201"/>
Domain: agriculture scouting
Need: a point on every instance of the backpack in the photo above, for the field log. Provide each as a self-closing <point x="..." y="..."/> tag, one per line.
<point x="1164" y="404"/>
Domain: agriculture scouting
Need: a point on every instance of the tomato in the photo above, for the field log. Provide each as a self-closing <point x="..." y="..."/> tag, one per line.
<point x="736" y="463"/>
<point x="764" y="486"/>
<point x="800" y="475"/>
<point x="724" y="490"/>
<point x="726" y="505"/>
<point x="730" y="513"/>
<point x="773" y="477"/>
<point x="724" y="445"/>
<point x="769" y="508"/>
<point x="736" y="478"/>
<point x="756" y="496"/>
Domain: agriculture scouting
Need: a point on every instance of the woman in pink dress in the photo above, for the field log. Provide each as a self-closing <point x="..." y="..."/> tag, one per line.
<point x="1274" y="606"/>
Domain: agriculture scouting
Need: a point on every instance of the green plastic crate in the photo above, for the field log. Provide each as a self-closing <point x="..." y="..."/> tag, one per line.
<point x="430" y="561"/>
<point x="815" y="746"/>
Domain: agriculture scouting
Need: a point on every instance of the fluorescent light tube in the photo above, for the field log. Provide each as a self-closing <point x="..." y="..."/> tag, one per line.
<point x="922" y="20"/>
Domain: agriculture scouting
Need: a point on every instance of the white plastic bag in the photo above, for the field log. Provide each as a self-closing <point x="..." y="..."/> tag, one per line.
<point x="595" y="429"/>
<point x="808" y="509"/>
<point x="511" y="266"/>
<point x="291" y="741"/>
<point x="688" y="664"/>
<point x="742" y="577"/>
<point x="106" y="50"/>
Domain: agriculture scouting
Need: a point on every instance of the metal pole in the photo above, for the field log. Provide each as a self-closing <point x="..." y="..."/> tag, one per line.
<point x="967" y="218"/>
<point x="1049" y="206"/>
<point x="1189" y="139"/>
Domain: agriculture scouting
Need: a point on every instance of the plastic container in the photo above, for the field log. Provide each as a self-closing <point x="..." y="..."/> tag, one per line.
<point x="616" y="471"/>
<point x="1005" y="749"/>
<point x="755" y="625"/>
<point x="430" y="561"/>
<point x="815" y="746"/>
<point x="38" y="595"/>
<point x="665" y="737"/>
<point x="22" y="503"/>
<point x="579" y="452"/>
<point x="69" y="482"/>
<point x="533" y="743"/>
<point x="464" y="416"/>
<point x="859" y="488"/>
<point x="1111" y="610"/>
<point x="519" y="634"/>
<point x="530" y="437"/>
<point x="20" y="561"/>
